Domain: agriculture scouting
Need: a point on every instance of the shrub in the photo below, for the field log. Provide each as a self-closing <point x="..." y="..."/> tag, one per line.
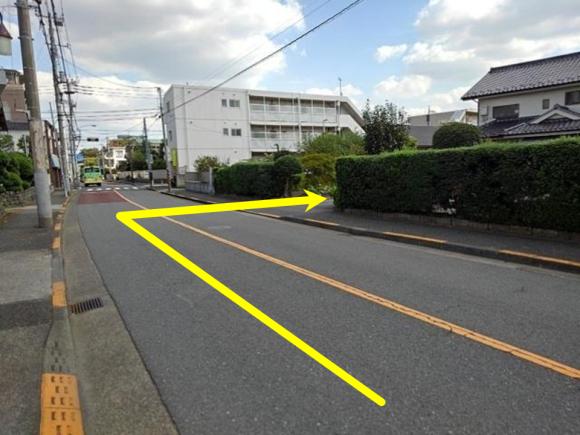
<point x="24" y="165"/>
<point x="319" y="173"/>
<point x="456" y="134"/>
<point x="529" y="184"/>
<point x="203" y="163"/>
<point x="252" y="178"/>
<point x="286" y="172"/>
<point x="10" y="173"/>
<point x="345" y="144"/>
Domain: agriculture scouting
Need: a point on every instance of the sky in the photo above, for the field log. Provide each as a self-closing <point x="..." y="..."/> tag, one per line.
<point x="414" y="53"/>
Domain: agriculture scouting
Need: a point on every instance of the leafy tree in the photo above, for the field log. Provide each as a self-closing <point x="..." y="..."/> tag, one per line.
<point x="24" y="165"/>
<point x="347" y="143"/>
<point x="319" y="172"/>
<point x="456" y="134"/>
<point x="385" y="128"/>
<point x="9" y="174"/>
<point x="6" y="143"/>
<point x="90" y="152"/>
<point x="287" y="169"/>
<point x="23" y="145"/>
<point x="203" y="163"/>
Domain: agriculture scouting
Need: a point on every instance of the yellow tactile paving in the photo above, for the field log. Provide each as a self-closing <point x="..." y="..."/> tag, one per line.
<point x="59" y="405"/>
<point x="58" y="294"/>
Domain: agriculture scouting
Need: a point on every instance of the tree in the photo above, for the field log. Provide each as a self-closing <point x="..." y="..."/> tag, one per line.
<point x="203" y="163"/>
<point x="456" y="134"/>
<point x="6" y="143"/>
<point x="385" y="128"/>
<point x="347" y="143"/>
<point x="287" y="169"/>
<point x="90" y="152"/>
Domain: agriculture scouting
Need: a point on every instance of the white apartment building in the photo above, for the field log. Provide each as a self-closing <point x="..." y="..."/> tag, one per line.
<point x="238" y="124"/>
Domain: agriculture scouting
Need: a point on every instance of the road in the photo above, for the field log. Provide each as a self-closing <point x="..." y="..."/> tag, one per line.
<point x="219" y="370"/>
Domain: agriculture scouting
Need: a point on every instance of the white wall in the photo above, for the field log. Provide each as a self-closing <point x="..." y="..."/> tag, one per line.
<point x="530" y="102"/>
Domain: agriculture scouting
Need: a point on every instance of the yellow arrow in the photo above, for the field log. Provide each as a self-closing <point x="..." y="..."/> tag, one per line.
<point x="310" y="200"/>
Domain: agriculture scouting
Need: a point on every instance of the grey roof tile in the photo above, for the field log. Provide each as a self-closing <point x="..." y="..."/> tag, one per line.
<point x="551" y="71"/>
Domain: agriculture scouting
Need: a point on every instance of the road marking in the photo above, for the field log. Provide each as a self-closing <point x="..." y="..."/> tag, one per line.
<point x="60" y="411"/>
<point x="90" y="190"/>
<point x="57" y="226"/>
<point x="541" y="257"/>
<point x="58" y="294"/>
<point x="134" y="188"/>
<point x="117" y="188"/>
<point x="108" y="188"/>
<point x="128" y="218"/>
<point x="419" y="315"/>
<point x="412" y="237"/>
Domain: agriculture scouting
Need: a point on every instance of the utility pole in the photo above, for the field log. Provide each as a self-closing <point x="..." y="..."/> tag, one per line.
<point x="37" y="142"/>
<point x="69" y="92"/>
<point x="62" y="158"/>
<point x="147" y="152"/>
<point x="57" y="94"/>
<point x="165" y="144"/>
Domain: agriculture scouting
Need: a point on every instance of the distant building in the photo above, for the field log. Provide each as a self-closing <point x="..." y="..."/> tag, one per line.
<point x="423" y="127"/>
<point x="13" y="116"/>
<point x="238" y="124"/>
<point x="530" y="100"/>
<point x="114" y="152"/>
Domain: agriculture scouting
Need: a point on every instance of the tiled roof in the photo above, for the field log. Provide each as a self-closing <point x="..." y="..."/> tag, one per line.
<point x="551" y="71"/>
<point x="523" y="126"/>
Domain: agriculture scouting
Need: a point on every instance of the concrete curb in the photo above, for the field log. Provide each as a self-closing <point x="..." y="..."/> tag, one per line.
<point x="60" y="410"/>
<point x="526" y="258"/>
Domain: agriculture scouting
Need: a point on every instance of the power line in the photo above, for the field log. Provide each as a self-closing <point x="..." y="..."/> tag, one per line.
<point x="272" y="54"/>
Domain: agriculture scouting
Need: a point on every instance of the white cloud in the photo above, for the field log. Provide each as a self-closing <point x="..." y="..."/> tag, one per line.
<point x="394" y="88"/>
<point x="385" y="52"/>
<point x="447" y="12"/>
<point x="170" y="41"/>
<point x="437" y="52"/>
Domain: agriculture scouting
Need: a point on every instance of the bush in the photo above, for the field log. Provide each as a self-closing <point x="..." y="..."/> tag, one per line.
<point x="345" y="144"/>
<point x="24" y="165"/>
<point x="10" y="173"/>
<point x="286" y="171"/>
<point x="252" y="178"/>
<point x="528" y="184"/>
<point x="456" y="134"/>
<point x="319" y="173"/>
<point x="203" y="163"/>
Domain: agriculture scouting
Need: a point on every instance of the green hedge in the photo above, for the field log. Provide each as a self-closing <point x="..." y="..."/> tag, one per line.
<point x="534" y="184"/>
<point x="16" y="171"/>
<point x="249" y="179"/>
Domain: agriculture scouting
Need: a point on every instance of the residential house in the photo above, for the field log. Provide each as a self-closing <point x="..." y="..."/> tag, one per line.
<point x="114" y="152"/>
<point x="238" y="124"/>
<point x="13" y="116"/>
<point x="530" y="100"/>
<point x="423" y="127"/>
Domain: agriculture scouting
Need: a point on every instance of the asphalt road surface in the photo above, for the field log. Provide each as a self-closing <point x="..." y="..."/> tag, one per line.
<point x="219" y="370"/>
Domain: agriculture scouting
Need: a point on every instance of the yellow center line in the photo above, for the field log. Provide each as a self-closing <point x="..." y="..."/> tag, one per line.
<point x="419" y="315"/>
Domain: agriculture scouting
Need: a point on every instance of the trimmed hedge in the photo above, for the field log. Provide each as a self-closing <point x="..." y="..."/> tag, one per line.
<point x="249" y="179"/>
<point x="455" y="135"/>
<point x="535" y="184"/>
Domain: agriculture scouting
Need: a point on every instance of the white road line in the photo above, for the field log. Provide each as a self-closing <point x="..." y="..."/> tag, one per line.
<point x="135" y="188"/>
<point x="99" y="189"/>
<point x="117" y="188"/>
<point x="90" y="190"/>
<point x="108" y="188"/>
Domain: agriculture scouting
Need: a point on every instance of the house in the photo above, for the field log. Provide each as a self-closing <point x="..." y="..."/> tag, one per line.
<point x="13" y="116"/>
<point x="423" y="127"/>
<point x="238" y="124"/>
<point x="530" y="100"/>
<point x="114" y="152"/>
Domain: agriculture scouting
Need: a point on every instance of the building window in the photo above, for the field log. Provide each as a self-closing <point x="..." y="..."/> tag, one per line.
<point x="236" y="131"/>
<point x="573" y="97"/>
<point x="168" y="106"/>
<point x="509" y="111"/>
<point x="225" y="132"/>
<point x="170" y="133"/>
<point x="546" y="103"/>
<point x="234" y="103"/>
<point x="224" y="102"/>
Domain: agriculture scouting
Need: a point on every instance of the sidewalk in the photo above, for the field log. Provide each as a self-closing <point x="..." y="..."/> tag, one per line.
<point x="563" y="255"/>
<point x="25" y="315"/>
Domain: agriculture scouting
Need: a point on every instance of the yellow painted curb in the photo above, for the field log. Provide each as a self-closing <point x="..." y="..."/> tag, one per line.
<point x="56" y="243"/>
<point x="60" y="412"/>
<point x="541" y="257"/>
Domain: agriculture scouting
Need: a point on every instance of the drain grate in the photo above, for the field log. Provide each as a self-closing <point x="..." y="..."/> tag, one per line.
<point x="86" y="305"/>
